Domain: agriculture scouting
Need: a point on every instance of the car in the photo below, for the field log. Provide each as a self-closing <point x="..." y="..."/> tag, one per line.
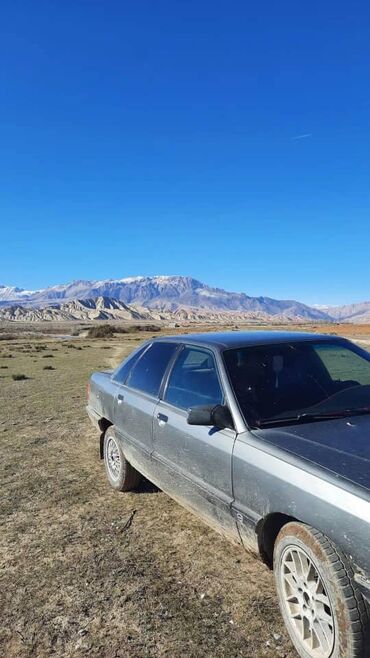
<point x="265" y="436"/>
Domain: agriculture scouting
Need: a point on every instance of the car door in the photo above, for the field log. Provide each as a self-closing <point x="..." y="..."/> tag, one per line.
<point x="195" y="461"/>
<point x="136" y="399"/>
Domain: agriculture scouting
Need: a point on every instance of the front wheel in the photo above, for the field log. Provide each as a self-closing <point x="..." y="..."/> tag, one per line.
<point x="323" y="610"/>
<point x="121" y="475"/>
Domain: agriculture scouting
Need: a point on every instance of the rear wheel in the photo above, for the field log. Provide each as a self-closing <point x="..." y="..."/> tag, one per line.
<point x="324" y="612"/>
<point x="121" y="475"/>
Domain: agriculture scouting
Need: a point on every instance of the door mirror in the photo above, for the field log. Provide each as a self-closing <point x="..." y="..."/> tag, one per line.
<point x="219" y="416"/>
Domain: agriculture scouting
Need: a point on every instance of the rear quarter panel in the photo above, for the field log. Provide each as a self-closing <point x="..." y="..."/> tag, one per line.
<point x="102" y="395"/>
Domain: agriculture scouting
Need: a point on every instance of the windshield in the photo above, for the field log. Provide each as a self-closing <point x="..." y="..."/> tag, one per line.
<point x="299" y="381"/>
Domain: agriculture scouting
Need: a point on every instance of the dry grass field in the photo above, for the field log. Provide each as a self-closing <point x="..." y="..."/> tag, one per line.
<point x="86" y="571"/>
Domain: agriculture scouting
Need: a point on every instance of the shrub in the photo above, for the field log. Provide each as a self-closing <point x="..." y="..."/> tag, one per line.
<point x="149" y="327"/>
<point x="104" y="331"/>
<point x="132" y="328"/>
<point x="19" y="377"/>
<point x="48" y="368"/>
<point x="47" y="356"/>
<point x="108" y="330"/>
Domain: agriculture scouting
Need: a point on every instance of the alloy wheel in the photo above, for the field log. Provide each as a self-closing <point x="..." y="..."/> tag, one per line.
<point x="307" y="603"/>
<point x="113" y="458"/>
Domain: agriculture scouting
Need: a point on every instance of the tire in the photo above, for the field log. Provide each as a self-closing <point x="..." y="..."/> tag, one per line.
<point x="121" y="475"/>
<point x="323" y="609"/>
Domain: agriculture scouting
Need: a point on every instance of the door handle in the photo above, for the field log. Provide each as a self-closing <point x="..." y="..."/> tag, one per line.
<point x="162" y="419"/>
<point x="119" y="398"/>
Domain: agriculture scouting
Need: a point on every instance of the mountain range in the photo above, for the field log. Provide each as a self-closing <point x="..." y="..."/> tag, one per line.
<point x="161" y="297"/>
<point x="107" y="308"/>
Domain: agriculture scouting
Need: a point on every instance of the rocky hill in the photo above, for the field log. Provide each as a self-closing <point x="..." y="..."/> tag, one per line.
<point x="106" y="308"/>
<point x="100" y="308"/>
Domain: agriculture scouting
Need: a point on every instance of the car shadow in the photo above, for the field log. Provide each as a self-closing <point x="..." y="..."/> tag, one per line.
<point x="146" y="486"/>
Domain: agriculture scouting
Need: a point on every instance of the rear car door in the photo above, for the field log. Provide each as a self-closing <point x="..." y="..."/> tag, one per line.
<point x="136" y="399"/>
<point x="195" y="461"/>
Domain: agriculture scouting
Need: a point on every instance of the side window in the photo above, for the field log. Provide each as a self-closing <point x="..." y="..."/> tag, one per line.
<point x="120" y="375"/>
<point x="147" y="373"/>
<point x="194" y="380"/>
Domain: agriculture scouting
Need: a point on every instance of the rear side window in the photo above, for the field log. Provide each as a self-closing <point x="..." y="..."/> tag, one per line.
<point x="194" y="380"/>
<point x="147" y="373"/>
<point x="121" y="374"/>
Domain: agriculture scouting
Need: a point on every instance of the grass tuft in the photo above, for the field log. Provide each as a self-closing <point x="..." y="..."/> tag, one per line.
<point x="19" y="377"/>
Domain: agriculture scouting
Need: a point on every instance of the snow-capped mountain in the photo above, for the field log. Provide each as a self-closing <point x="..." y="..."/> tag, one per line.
<point x="164" y="293"/>
<point x="12" y="293"/>
<point x="358" y="313"/>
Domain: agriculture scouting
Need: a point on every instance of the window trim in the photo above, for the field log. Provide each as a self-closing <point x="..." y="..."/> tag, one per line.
<point x="169" y="368"/>
<point x="167" y="376"/>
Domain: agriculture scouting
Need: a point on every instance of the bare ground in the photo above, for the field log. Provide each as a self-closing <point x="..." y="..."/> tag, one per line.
<point x="86" y="571"/>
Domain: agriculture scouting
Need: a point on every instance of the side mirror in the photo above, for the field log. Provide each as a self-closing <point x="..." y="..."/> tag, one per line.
<point x="222" y="418"/>
<point x="219" y="416"/>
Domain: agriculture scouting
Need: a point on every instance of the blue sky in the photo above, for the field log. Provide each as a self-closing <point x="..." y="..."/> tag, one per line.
<point x="227" y="140"/>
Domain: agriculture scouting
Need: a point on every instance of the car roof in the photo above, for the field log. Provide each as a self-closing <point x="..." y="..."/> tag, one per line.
<point x="230" y="339"/>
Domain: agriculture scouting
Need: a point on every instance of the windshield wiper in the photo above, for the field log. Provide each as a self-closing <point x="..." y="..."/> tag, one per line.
<point x="308" y="417"/>
<point x="301" y="418"/>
